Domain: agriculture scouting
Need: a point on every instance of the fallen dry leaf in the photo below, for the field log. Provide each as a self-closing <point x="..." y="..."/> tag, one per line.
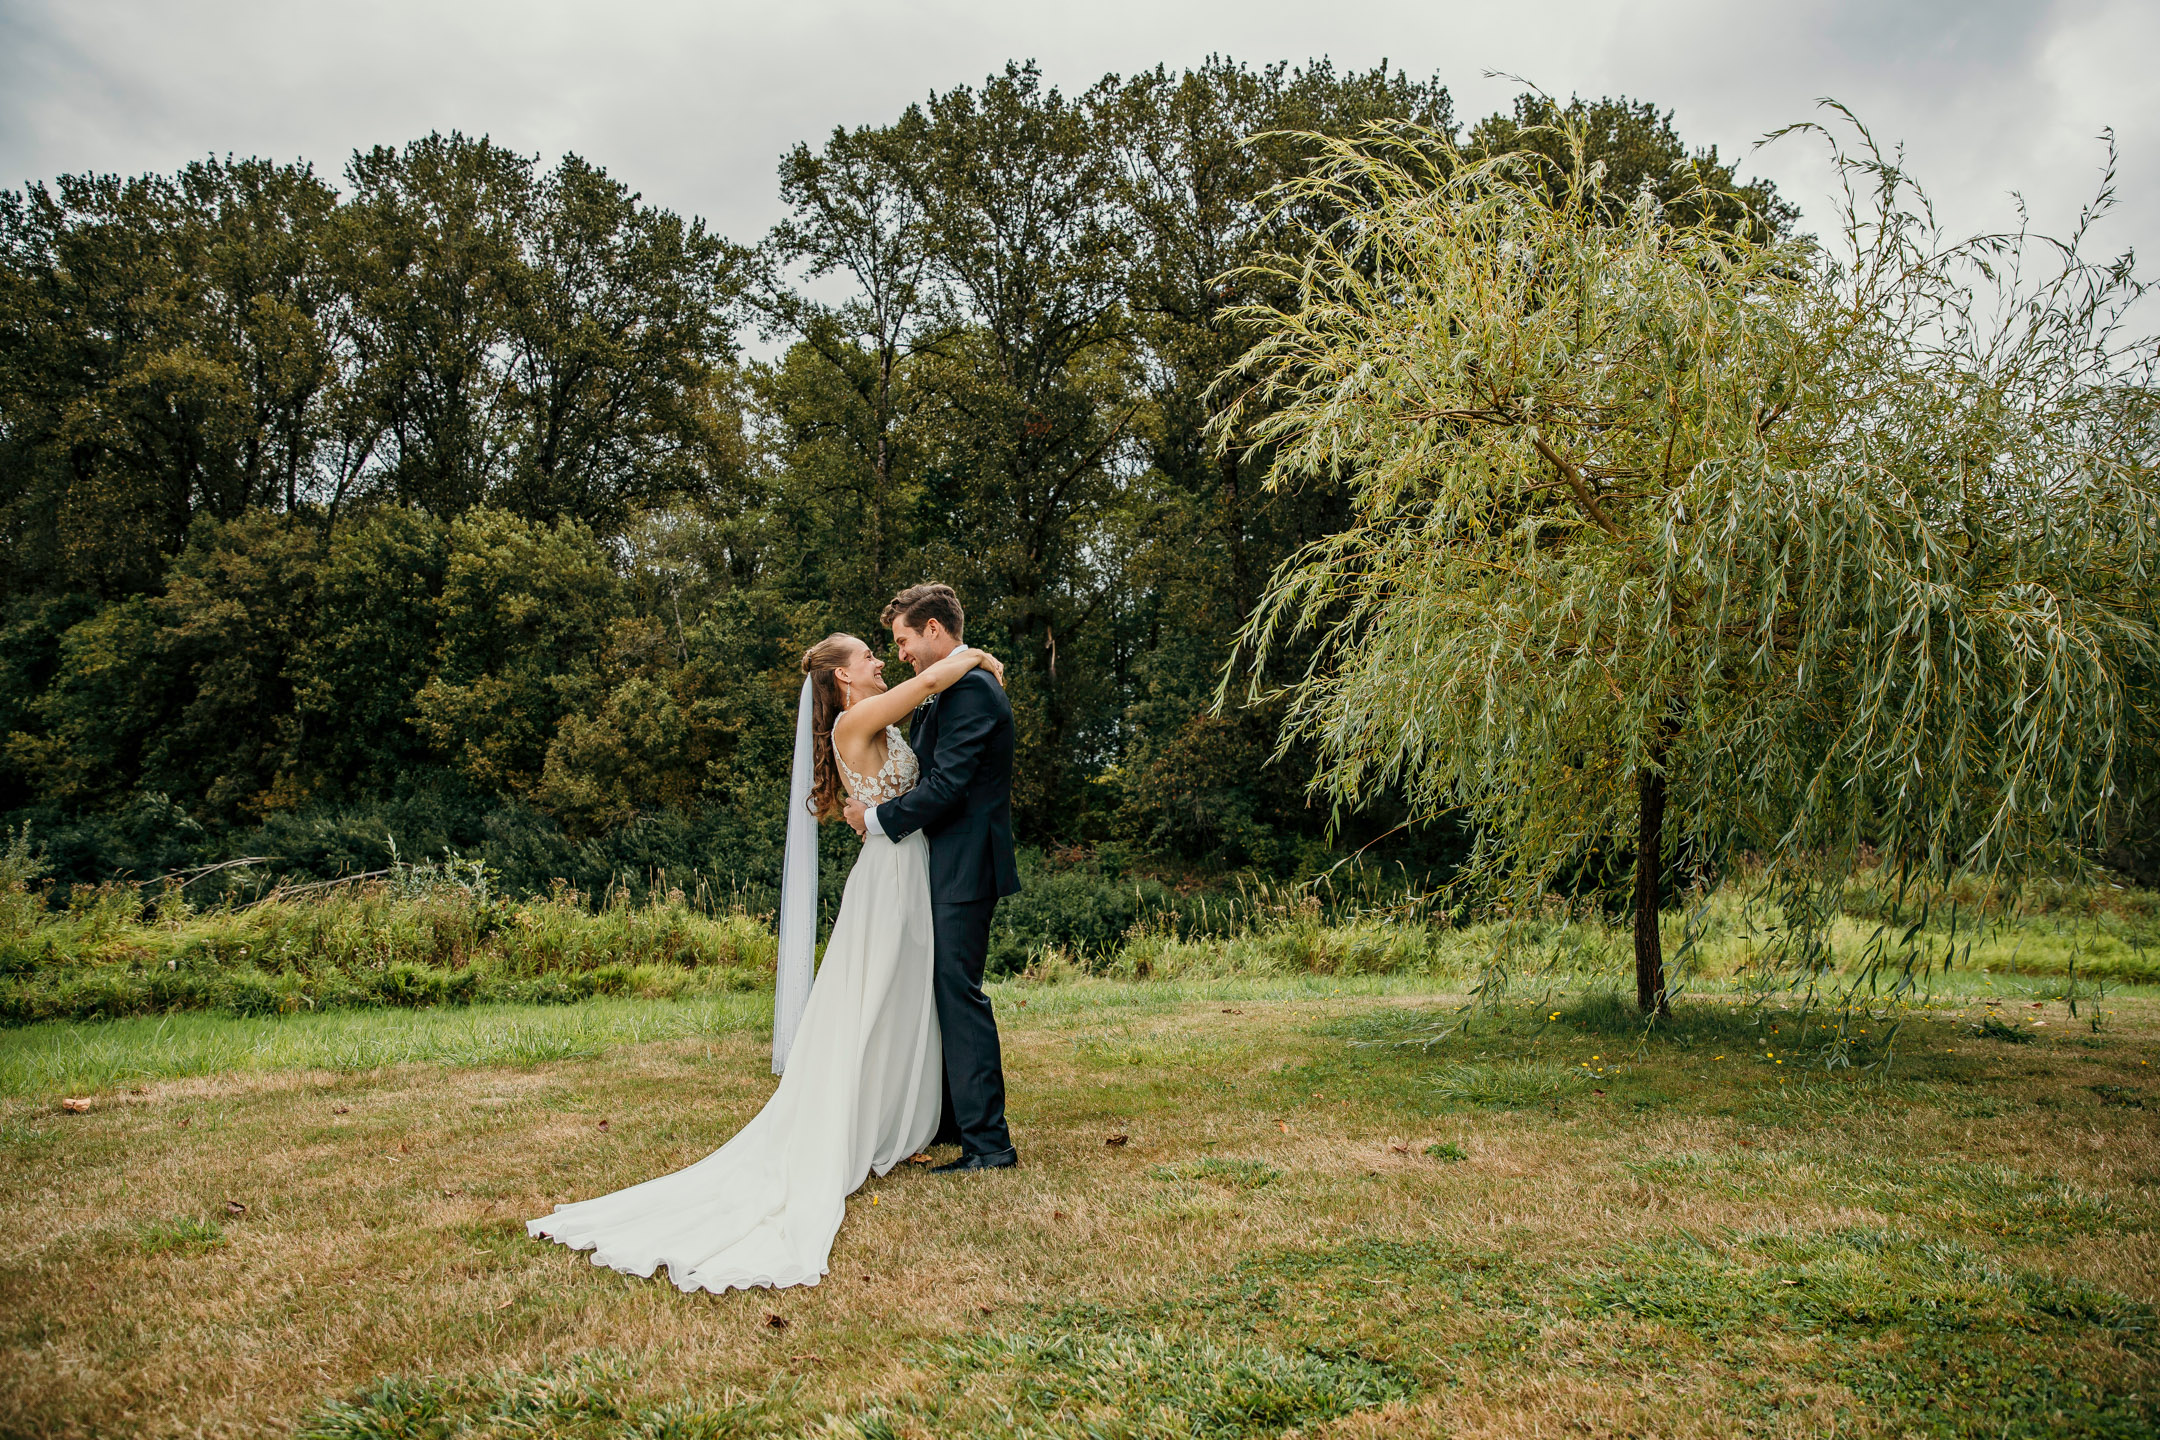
<point x="234" y="1207"/>
<point x="1228" y="1011"/>
<point x="603" y="1125"/>
<point x="74" y="1106"/>
<point x="1057" y="1214"/>
<point x="1400" y="1149"/>
<point x="1117" y="1140"/>
<point x="775" y="1322"/>
<point x="341" y="1110"/>
<point x="984" y="1308"/>
<point x="920" y="1157"/>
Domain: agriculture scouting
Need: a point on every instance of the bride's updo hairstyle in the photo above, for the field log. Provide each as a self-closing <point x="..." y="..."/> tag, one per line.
<point x="819" y="662"/>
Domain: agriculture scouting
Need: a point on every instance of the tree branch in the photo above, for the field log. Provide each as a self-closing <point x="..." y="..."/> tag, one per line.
<point x="1575" y="482"/>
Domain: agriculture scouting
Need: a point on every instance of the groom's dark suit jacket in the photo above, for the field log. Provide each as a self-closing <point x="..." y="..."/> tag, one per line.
<point x="963" y="802"/>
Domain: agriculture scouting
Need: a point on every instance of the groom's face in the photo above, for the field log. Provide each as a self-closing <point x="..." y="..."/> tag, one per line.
<point x="924" y="647"/>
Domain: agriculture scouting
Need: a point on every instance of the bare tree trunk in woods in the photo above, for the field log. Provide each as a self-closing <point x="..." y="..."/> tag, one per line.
<point x="1649" y="871"/>
<point x="877" y="521"/>
<point x="1240" y="575"/>
<point x="1240" y="581"/>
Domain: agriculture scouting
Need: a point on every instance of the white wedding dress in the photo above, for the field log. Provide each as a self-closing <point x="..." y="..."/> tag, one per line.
<point x="861" y="1093"/>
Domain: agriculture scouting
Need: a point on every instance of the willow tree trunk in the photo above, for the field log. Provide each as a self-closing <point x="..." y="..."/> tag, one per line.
<point x="1649" y="872"/>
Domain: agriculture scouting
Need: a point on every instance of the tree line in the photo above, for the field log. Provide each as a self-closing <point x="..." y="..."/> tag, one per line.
<point x="441" y="507"/>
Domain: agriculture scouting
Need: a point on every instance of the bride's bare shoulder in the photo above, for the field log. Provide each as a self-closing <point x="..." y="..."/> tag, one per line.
<point x="861" y="749"/>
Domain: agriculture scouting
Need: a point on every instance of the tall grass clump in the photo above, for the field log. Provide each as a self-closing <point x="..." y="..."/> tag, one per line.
<point x="1074" y="918"/>
<point x="432" y="933"/>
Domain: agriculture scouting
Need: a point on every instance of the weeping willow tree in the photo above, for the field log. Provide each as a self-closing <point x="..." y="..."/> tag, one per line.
<point x="1674" y="536"/>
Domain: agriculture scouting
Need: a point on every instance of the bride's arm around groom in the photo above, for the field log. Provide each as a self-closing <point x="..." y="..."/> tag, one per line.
<point x="867" y="715"/>
<point x="969" y="718"/>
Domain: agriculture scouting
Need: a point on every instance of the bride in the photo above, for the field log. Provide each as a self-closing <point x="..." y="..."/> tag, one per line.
<point x="858" y="1054"/>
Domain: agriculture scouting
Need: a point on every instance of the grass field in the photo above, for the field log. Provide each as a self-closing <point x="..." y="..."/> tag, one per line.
<point x="1335" y="1211"/>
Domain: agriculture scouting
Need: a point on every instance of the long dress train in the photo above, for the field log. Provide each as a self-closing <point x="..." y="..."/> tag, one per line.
<point x="861" y="1093"/>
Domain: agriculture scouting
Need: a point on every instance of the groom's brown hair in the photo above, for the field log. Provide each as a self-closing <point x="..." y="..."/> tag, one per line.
<point x="920" y="604"/>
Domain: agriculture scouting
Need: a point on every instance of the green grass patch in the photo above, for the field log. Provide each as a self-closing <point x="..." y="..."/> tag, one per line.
<point x="106" y="1055"/>
<point x="1935" y="1338"/>
<point x="1517" y="1085"/>
<point x="1082" y="1375"/>
<point x="185" y="1233"/>
<point x="1103" y="1377"/>
<point x="1961" y="1197"/>
<point x="588" y="1397"/>
<point x="59" y="1057"/>
<point x="1231" y="1174"/>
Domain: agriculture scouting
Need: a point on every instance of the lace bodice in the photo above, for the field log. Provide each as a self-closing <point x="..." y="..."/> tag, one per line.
<point x="894" y="778"/>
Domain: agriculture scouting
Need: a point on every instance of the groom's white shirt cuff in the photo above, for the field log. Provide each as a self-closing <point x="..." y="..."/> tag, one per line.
<point x="869" y="820"/>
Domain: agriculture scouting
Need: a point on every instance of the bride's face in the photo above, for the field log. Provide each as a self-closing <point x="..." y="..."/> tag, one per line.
<point x="863" y="675"/>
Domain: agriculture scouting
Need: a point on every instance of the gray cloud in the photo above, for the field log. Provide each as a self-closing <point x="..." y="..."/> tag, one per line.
<point x="692" y="103"/>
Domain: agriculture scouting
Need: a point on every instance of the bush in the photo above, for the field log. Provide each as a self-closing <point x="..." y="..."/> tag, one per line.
<point x="436" y="933"/>
<point x="250" y="994"/>
<point x="423" y="985"/>
<point x="1093" y="919"/>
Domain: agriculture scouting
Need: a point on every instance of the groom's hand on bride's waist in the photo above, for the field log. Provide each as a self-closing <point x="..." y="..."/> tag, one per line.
<point x="854" y="810"/>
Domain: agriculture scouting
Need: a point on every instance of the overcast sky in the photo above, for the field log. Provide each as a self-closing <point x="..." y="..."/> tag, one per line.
<point x="692" y="103"/>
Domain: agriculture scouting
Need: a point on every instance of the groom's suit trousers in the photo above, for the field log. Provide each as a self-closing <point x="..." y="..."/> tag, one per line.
<point x="974" y="1068"/>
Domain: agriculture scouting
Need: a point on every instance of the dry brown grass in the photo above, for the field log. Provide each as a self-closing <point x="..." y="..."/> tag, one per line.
<point x="383" y="1227"/>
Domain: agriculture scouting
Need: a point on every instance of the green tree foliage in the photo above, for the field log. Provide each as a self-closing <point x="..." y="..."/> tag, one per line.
<point x="163" y="351"/>
<point x="370" y="651"/>
<point x="848" y="392"/>
<point x="1823" y="546"/>
<point x="436" y="503"/>
<point x="523" y="614"/>
<point x="1637" y="147"/>
<point x="232" y="623"/>
<point x="1011" y="397"/>
<point x="1203" y="151"/>
<point x="454" y="331"/>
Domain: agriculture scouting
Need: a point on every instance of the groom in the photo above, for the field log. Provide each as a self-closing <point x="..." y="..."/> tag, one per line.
<point x="963" y="804"/>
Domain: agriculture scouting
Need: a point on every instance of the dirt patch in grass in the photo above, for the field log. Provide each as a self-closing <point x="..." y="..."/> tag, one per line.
<point x="1308" y="1227"/>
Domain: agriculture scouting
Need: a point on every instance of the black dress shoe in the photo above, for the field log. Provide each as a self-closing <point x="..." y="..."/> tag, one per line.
<point x="995" y="1160"/>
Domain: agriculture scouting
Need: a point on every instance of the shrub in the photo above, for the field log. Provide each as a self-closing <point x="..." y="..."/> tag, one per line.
<point x="435" y="933"/>
<point x="424" y="985"/>
<point x="21" y="906"/>
<point x="251" y="994"/>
